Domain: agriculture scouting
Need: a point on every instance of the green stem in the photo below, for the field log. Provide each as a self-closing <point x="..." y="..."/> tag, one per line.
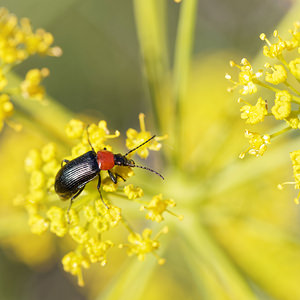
<point x="292" y="88"/>
<point x="183" y="52"/>
<point x="208" y="252"/>
<point x="280" y="132"/>
<point x="49" y="116"/>
<point x="151" y="28"/>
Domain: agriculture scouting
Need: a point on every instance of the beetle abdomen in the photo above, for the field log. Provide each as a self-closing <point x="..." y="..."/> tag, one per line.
<point x="76" y="174"/>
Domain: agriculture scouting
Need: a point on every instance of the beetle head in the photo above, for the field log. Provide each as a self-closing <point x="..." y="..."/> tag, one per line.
<point x="121" y="160"/>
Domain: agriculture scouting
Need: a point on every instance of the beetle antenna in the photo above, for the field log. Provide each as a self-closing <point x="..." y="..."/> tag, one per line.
<point x="146" y="168"/>
<point x="88" y="137"/>
<point x="140" y="146"/>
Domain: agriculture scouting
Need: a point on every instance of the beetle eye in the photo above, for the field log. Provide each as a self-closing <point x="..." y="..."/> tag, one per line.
<point x="104" y="148"/>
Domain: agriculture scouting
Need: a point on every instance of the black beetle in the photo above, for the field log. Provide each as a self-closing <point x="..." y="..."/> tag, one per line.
<point x="71" y="179"/>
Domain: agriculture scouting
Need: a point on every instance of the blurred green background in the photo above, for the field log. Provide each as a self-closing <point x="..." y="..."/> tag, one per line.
<point x="101" y="71"/>
<point x="101" y="74"/>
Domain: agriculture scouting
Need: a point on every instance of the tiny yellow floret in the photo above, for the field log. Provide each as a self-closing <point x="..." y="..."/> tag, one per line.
<point x="74" y="129"/>
<point x="31" y="87"/>
<point x="157" y="206"/>
<point x="73" y="262"/>
<point x="278" y="75"/>
<point x="254" y="114"/>
<point x="282" y="107"/>
<point x="135" y="138"/>
<point x="295" y="157"/>
<point x="258" y="143"/>
<point x="133" y="192"/>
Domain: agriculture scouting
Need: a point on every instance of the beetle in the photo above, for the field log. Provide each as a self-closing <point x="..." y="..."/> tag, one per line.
<point x="72" y="178"/>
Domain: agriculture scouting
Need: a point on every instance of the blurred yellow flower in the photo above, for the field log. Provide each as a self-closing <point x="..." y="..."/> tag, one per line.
<point x="17" y="43"/>
<point x="31" y="87"/>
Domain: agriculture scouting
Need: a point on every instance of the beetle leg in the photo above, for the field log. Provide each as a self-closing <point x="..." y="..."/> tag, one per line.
<point x="99" y="190"/>
<point x="71" y="202"/>
<point x="114" y="177"/>
<point x="64" y="161"/>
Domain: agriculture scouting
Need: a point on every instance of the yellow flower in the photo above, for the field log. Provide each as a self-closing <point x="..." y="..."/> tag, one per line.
<point x="6" y="109"/>
<point x="3" y="80"/>
<point x="273" y="50"/>
<point x="31" y="87"/>
<point x="295" y="157"/>
<point x="135" y="138"/>
<point x="278" y="75"/>
<point x="74" y="129"/>
<point x="247" y="78"/>
<point x="258" y="143"/>
<point x="38" y="224"/>
<point x="293" y="120"/>
<point x="97" y="250"/>
<point x="73" y="262"/>
<point x="57" y="218"/>
<point x="140" y="245"/>
<point x="17" y="42"/>
<point x="254" y="114"/>
<point x="294" y="67"/>
<point x="79" y="234"/>
<point x="282" y="107"/>
<point x="157" y="206"/>
<point x="133" y="192"/>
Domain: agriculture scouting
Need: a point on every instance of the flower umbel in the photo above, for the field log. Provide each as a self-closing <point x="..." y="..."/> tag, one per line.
<point x="18" y="42"/>
<point x="88" y="217"/>
<point x="281" y="84"/>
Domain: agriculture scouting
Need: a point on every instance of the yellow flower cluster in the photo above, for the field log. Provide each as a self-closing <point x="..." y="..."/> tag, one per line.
<point x="280" y="79"/>
<point x="140" y="245"/>
<point x="135" y="138"/>
<point x="89" y="218"/>
<point x="18" y="42"/>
